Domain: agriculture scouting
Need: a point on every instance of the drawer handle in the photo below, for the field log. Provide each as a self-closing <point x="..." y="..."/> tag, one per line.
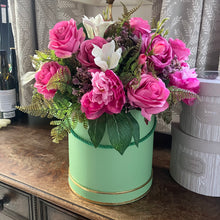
<point x="4" y="200"/>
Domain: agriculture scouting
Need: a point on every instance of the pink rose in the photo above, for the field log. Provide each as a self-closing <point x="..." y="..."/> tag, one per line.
<point x="65" y="39"/>
<point x="151" y="96"/>
<point x="185" y="79"/>
<point x="160" y="51"/>
<point x="43" y="76"/>
<point x="142" y="62"/>
<point x="107" y="95"/>
<point x="85" y="56"/>
<point x="179" y="49"/>
<point x="140" y="26"/>
<point x="142" y="59"/>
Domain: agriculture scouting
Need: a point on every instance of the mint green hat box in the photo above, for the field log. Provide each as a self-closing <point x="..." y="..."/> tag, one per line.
<point x="102" y="175"/>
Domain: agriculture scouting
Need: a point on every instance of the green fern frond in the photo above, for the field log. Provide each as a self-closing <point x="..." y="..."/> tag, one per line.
<point x="38" y="107"/>
<point x="177" y="94"/>
<point x="59" y="81"/>
<point x="127" y="13"/>
<point x="125" y="10"/>
<point x="166" y="116"/>
<point x="128" y="67"/>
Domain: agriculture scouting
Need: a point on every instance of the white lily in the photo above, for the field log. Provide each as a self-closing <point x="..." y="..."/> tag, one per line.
<point x="106" y="57"/>
<point x="27" y="77"/>
<point x="96" y="26"/>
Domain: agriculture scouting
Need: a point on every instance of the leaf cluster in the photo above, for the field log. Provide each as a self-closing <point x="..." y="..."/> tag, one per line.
<point x="178" y="94"/>
<point x="128" y="67"/>
<point x="62" y="106"/>
<point x="120" y="127"/>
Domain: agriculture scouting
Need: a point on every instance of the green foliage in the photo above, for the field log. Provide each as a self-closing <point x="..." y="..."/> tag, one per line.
<point x="60" y="81"/>
<point x="119" y="131"/>
<point x="63" y="127"/>
<point x="49" y="55"/>
<point x="135" y="128"/>
<point x="97" y="129"/>
<point x="115" y="29"/>
<point x="166" y="115"/>
<point x="68" y="114"/>
<point x="120" y="127"/>
<point x="127" y="13"/>
<point x="177" y="95"/>
<point x="38" y="107"/>
<point x="128" y="67"/>
<point x="43" y="56"/>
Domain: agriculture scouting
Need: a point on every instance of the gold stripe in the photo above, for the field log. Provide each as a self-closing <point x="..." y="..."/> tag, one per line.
<point x="109" y="203"/>
<point x="110" y="193"/>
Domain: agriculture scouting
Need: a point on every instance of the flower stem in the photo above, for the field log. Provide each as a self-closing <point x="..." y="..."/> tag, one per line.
<point x="110" y="3"/>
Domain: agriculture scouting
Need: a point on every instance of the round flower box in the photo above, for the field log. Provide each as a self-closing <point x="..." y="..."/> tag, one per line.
<point x="104" y="176"/>
<point x="202" y="120"/>
<point x="195" y="163"/>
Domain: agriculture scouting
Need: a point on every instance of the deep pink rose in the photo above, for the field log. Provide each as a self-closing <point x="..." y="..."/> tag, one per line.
<point x="160" y="51"/>
<point x="65" y="39"/>
<point x="140" y="26"/>
<point x="85" y="56"/>
<point x="151" y="96"/>
<point x="107" y="95"/>
<point x="185" y="79"/>
<point x="179" y="49"/>
<point x="43" y="76"/>
<point x="142" y="62"/>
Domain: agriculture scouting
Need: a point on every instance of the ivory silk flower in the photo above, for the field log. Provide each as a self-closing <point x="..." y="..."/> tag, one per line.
<point x="106" y="57"/>
<point x="96" y="26"/>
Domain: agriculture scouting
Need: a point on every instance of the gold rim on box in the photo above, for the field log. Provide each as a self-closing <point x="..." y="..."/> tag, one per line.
<point x="109" y="193"/>
<point x="110" y="203"/>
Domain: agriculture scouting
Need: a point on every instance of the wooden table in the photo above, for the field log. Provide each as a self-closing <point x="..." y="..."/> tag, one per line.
<point x="30" y="162"/>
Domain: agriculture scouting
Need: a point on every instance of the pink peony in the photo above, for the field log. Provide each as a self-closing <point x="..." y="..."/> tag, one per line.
<point x="160" y="51"/>
<point x="185" y="79"/>
<point x="179" y="49"/>
<point x="140" y="26"/>
<point x="85" y="56"/>
<point x="107" y="95"/>
<point x="65" y="39"/>
<point x="151" y="96"/>
<point x="43" y="76"/>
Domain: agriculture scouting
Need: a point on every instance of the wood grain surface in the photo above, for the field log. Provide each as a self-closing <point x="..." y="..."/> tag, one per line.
<point x="30" y="162"/>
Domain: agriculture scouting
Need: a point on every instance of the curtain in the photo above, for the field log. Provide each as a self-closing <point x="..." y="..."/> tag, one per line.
<point x="197" y="23"/>
<point x="31" y="21"/>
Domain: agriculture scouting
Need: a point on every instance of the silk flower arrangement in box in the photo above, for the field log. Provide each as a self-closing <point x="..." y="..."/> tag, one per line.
<point x="110" y="77"/>
<point x="97" y="73"/>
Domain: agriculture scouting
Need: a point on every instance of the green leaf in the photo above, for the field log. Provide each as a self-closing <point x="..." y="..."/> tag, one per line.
<point x="119" y="131"/>
<point x="135" y="128"/>
<point x="97" y="129"/>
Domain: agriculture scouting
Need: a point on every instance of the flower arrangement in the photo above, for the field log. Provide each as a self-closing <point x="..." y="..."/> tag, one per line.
<point x="97" y="72"/>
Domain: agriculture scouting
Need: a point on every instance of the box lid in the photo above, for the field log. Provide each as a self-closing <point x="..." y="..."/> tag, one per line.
<point x="209" y="87"/>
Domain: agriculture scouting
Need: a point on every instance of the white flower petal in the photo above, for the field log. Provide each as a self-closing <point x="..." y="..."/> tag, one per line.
<point x="114" y="60"/>
<point x="96" y="51"/>
<point x="101" y="63"/>
<point x="27" y="77"/>
<point x="98" y="19"/>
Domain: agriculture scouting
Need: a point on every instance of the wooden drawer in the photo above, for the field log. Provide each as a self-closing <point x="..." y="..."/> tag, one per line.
<point x="19" y="206"/>
<point x="52" y="212"/>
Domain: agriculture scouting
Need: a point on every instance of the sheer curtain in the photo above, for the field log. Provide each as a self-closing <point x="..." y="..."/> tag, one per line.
<point x="31" y="21"/>
<point x="197" y="23"/>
